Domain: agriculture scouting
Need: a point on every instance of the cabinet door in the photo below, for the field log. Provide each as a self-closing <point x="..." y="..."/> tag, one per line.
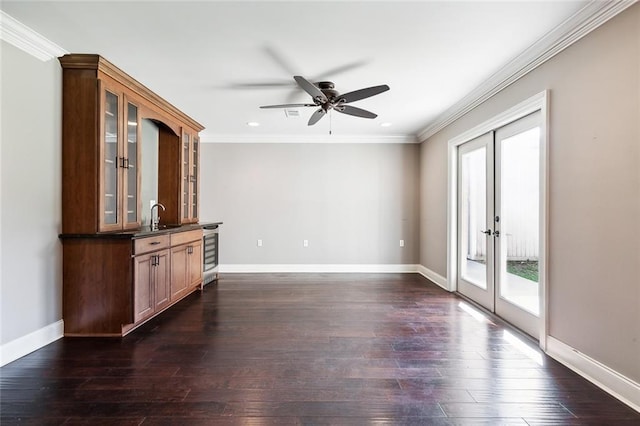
<point x="195" y="263"/>
<point x="190" y="161"/>
<point x="110" y="154"/>
<point x="130" y="166"/>
<point x="162" y="277"/>
<point x="186" y="177"/>
<point x="143" y="286"/>
<point x="193" y="179"/>
<point x="120" y="157"/>
<point x="179" y="262"/>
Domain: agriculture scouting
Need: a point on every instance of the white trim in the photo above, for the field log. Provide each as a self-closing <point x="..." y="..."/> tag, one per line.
<point x="526" y="107"/>
<point x="587" y="19"/>
<point x="322" y="268"/>
<point x="543" y="249"/>
<point x="24" y="38"/>
<point x="433" y="276"/>
<point x="24" y="345"/>
<point x="302" y="138"/>
<point x="618" y="385"/>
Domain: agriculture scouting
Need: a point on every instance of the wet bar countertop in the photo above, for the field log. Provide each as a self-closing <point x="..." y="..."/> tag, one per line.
<point x="144" y="231"/>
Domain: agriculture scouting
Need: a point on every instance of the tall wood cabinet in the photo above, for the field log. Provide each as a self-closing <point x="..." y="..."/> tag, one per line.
<point x="190" y="162"/>
<point x="180" y="165"/>
<point x="116" y="275"/>
<point x="103" y="108"/>
<point x="119" y="174"/>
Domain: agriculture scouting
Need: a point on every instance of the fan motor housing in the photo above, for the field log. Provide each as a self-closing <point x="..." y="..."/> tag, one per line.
<point x="328" y="88"/>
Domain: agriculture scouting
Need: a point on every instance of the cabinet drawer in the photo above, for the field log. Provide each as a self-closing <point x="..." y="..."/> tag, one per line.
<point x="144" y="245"/>
<point x="185" y="237"/>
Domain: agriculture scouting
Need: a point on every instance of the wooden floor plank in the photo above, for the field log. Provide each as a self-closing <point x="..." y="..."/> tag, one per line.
<point x="304" y="349"/>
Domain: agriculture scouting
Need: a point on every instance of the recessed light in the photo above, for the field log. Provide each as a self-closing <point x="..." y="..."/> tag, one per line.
<point x="385" y="124"/>
<point x="253" y="123"/>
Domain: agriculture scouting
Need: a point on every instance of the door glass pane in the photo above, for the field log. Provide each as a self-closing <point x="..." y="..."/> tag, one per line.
<point x="185" y="176"/>
<point x="132" y="157"/>
<point x="473" y="187"/>
<point x="111" y="159"/>
<point x="519" y="220"/>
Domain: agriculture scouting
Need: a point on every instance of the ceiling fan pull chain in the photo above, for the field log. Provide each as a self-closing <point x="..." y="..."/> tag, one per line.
<point x="330" y="121"/>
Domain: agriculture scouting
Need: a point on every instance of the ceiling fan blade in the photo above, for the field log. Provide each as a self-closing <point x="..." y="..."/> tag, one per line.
<point x="358" y="112"/>
<point x="312" y="90"/>
<point x="259" y="85"/>
<point x="288" y="106"/>
<point x="356" y="95"/>
<point x="339" y="70"/>
<point x="316" y="116"/>
<point x="280" y="59"/>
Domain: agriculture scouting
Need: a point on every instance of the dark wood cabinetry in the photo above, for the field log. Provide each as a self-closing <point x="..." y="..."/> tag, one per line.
<point x="186" y="262"/>
<point x="116" y="275"/>
<point x="101" y="133"/>
<point x="114" y="282"/>
<point x="151" y="276"/>
<point x="179" y="181"/>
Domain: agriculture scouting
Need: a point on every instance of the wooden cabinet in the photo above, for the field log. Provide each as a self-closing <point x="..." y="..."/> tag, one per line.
<point x="179" y="177"/>
<point x="119" y="176"/>
<point x="190" y="160"/>
<point x="151" y="276"/>
<point x="195" y="264"/>
<point x="115" y="282"/>
<point x="102" y="113"/>
<point x="115" y="274"/>
<point x="186" y="262"/>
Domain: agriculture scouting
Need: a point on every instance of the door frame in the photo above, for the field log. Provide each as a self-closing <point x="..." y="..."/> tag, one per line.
<point x="536" y="102"/>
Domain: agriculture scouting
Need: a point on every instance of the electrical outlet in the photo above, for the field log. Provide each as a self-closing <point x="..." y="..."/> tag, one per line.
<point x="259" y="243"/>
<point x="401" y="243"/>
<point x="305" y="243"/>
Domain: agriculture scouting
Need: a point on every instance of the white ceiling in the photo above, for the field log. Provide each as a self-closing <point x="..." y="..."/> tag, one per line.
<point x="205" y="57"/>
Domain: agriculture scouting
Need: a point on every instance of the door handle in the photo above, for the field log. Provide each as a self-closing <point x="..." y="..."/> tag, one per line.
<point x="488" y="232"/>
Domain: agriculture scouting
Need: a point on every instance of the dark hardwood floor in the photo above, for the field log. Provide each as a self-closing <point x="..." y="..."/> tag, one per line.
<point x="280" y="349"/>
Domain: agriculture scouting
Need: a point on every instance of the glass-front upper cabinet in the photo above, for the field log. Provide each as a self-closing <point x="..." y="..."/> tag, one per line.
<point x="195" y="158"/>
<point x="110" y="179"/>
<point x="119" y="176"/>
<point x="130" y="166"/>
<point x="190" y="160"/>
<point x="186" y="175"/>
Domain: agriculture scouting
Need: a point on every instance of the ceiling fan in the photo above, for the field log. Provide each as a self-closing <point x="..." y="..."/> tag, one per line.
<point x="327" y="98"/>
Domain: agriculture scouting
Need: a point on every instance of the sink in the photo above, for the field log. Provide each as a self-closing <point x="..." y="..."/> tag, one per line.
<point x="148" y="230"/>
<point x="160" y="227"/>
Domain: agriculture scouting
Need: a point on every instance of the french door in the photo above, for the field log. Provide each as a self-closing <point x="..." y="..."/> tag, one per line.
<point x="498" y="221"/>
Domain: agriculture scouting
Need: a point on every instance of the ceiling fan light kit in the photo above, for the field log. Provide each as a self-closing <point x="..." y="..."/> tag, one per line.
<point x="325" y="97"/>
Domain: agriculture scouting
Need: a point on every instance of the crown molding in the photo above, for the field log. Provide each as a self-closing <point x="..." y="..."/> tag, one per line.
<point x="24" y="38"/>
<point x="587" y="19"/>
<point x="301" y="138"/>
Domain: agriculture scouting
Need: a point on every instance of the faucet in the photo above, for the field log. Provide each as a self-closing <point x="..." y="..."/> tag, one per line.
<point x="156" y="222"/>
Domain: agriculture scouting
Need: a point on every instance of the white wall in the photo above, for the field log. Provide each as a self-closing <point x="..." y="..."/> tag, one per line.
<point x="594" y="190"/>
<point x="353" y="202"/>
<point x="31" y="261"/>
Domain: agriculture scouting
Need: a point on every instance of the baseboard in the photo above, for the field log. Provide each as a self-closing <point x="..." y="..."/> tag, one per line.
<point x="24" y="345"/>
<point x="618" y="385"/>
<point x="319" y="268"/>
<point x="433" y="276"/>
